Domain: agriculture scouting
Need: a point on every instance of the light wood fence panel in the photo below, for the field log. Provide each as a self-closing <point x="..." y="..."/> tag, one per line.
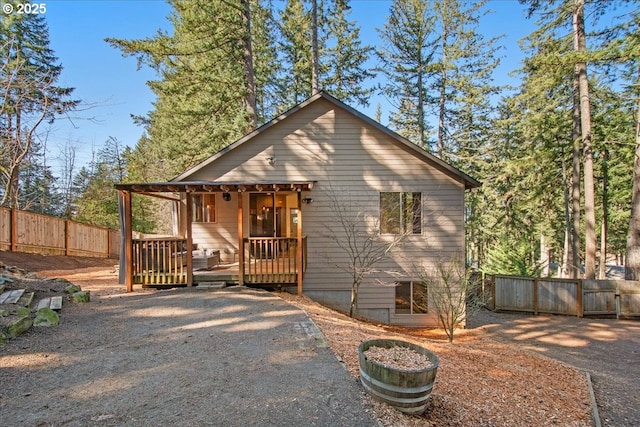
<point x="514" y="293"/>
<point x="114" y="244"/>
<point x="37" y="233"/>
<point x="577" y="297"/>
<point x="629" y="298"/>
<point x="23" y="231"/>
<point x="599" y="297"/>
<point x="86" y="240"/>
<point x="5" y="229"/>
<point x="557" y="296"/>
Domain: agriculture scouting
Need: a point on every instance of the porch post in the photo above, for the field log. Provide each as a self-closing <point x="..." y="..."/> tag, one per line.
<point x="240" y="243"/>
<point x="189" y="248"/>
<point x="128" y="240"/>
<point x="299" y="258"/>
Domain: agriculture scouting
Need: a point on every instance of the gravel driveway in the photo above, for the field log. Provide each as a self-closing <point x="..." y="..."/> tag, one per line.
<point x="233" y="357"/>
<point x="608" y="349"/>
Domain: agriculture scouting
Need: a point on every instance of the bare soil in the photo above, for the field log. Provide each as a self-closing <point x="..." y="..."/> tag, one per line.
<point x="480" y="381"/>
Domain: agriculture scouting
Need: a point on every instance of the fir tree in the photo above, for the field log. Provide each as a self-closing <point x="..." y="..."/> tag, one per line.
<point x="295" y="48"/>
<point x="406" y="55"/>
<point x="345" y="75"/>
<point x="30" y="97"/>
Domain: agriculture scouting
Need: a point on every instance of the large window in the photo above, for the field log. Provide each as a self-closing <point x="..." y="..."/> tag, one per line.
<point x="203" y="207"/>
<point x="401" y="213"/>
<point x="411" y="298"/>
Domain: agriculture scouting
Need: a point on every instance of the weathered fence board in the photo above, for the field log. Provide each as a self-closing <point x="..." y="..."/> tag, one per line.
<point x="5" y="229"/>
<point x="557" y="296"/>
<point x="599" y="297"/>
<point x="23" y="231"/>
<point x="629" y="298"/>
<point x="576" y="297"/>
<point x="513" y="293"/>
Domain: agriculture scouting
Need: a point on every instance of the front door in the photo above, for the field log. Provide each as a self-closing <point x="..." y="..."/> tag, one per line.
<point x="273" y="214"/>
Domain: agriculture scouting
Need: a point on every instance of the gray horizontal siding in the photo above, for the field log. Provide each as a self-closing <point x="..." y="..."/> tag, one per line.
<point x="221" y="235"/>
<point x="354" y="162"/>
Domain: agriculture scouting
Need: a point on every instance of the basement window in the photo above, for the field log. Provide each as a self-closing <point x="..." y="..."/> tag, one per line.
<point x="203" y="206"/>
<point x="411" y="298"/>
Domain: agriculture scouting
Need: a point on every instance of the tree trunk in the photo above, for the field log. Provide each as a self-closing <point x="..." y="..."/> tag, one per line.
<point x="421" y="115"/>
<point x="587" y="146"/>
<point x="315" y="85"/>
<point x="443" y="91"/>
<point x="632" y="258"/>
<point x="567" y="252"/>
<point x="250" y="97"/>
<point x="602" y="270"/>
<point x="354" y="297"/>
<point x="575" y="184"/>
<point x="544" y="256"/>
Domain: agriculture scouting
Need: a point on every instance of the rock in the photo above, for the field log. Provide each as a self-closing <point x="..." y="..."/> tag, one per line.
<point x="46" y="317"/>
<point x="81" y="296"/>
<point x="71" y="289"/>
<point x="4" y="313"/>
<point x="7" y="278"/>
<point x="19" y="326"/>
<point x="23" y="311"/>
<point x="3" y="338"/>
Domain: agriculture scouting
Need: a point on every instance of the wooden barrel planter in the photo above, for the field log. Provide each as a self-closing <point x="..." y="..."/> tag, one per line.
<point x="407" y="390"/>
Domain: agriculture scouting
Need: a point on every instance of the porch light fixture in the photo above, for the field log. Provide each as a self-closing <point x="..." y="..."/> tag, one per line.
<point x="226" y="197"/>
<point x="307" y="200"/>
<point x="271" y="160"/>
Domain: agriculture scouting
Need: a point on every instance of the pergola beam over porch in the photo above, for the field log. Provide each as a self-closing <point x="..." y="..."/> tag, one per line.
<point x="184" y="192"/>
<point x="215" y="186"/>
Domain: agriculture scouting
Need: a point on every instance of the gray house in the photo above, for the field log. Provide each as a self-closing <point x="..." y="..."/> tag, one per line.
<point x="269" y="210"/>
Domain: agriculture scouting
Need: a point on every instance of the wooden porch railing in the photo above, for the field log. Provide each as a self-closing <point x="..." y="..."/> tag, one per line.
<point x="273" y="260"/>
<point x="159" y="261"/>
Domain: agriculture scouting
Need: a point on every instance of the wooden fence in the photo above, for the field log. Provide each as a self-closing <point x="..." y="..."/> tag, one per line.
<point x="576" y="297"/>
<point x="23" y="231"/>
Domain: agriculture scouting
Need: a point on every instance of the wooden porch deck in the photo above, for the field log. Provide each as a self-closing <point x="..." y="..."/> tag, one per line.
<point x="269" y="262"/>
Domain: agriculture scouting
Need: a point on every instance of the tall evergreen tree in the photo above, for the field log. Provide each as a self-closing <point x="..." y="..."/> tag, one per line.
<point x="345" y="75"/>
<point x="202" y="92"/>
<point x="30" y="96"/>
<point x="268" y="69"/>
<point x="562" y="20"/>
<point x="37" y="187"/>
<point x="295" y="48"/>
<point x="462" y="81"/>
<point x="630" y="50"/>
<point x="406" y="54"/>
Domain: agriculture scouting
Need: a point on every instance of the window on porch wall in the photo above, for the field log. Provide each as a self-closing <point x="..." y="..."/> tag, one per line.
<point x="204" y="207"/>
<point x="401" y="213"/>
<point x="411" y="298"/>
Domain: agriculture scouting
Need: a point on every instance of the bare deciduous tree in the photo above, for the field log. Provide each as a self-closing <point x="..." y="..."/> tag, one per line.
<point x="28" y="95"/>
<point x="356" y="232"/>
<point x="453" y="293"/>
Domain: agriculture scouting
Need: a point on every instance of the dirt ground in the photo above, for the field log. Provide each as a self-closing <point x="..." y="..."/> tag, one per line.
<point x="480" y="381"/>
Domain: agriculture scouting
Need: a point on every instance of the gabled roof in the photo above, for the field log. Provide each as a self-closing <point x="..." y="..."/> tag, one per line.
<point x="455" y="173"/>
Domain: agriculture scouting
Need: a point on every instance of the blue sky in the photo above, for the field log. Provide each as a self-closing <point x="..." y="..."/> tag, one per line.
<point x="113" y="88"/>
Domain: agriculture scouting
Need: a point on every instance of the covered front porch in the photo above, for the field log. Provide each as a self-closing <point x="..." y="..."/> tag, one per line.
<point x="267" y="260"/>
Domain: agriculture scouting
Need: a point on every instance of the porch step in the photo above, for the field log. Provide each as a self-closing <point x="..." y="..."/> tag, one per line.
<point x="211" y="285"/>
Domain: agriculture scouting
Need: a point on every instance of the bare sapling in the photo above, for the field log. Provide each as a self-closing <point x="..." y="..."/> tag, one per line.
<point x="356" y="232"/>
<point x="452" y="292"/>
